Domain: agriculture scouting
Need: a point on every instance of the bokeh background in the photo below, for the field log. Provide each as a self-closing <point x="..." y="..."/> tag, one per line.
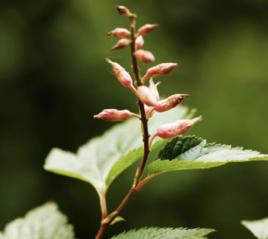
<point x="53" y="78"/>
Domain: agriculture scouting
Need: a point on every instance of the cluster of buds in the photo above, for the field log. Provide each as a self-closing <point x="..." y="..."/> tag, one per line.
<point x="144" y="88"/>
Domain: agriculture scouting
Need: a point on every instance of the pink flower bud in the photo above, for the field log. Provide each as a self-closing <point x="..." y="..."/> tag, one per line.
<point x="146" y="95"/>
<point x="147" y="28"/>
<point x="115" y="115"/>
<point x="145" y="56"/>
<point x="119" y="32"/>
<point x="121" y="43"/>
<point x="159" y="70"/>
<point x="122" y="10"/>
<point x="122" y="75"/>
<point x="139" y="42"/>
<point x="176" y="128"/>
<point x="169" y="103"/>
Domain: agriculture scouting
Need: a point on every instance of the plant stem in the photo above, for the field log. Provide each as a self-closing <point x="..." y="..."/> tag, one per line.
<point x="144" y="120"/>
<point x="105" y="223"/>
<point x="109" y="218"/>
<point x="137" y="182"/>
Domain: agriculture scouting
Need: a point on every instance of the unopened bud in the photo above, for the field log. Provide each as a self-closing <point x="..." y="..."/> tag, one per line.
<point x="139" y="42"/>
<point x="169" y="103"/>
<point x="147" y="28"/>
<point x="145" y="56"/>
<point x="122" y="75"/>
<point x="177" y="128"/>
<point x="159" y="70"/>
<point x="119" y="32"/>
<point x="115" y="115"/>
<point x="121" y="43"/>
<point x="146" y="95"/>
<point x="122" y="10"/>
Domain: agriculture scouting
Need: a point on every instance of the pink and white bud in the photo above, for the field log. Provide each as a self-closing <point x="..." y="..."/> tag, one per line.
<point x="144" y="56"/>
<point x="115" y="115"/>
<point x="146" y="95"/>
<point x="176" y="128"/>
<point x="139" y="42"/>
<point x="153" y="88"/>
<point x="170" y="102"/>
<point x="159" y="70"/>
<point x="119" y="32"/>
<point x="147" y="28"/>
<point x="121" y="74"/>
<point x="122" y="10"/>
<point x="121" y="44"/>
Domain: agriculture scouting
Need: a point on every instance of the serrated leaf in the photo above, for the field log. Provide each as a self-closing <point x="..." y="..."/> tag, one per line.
<point x="103" y="158"/>
<point x="259" y="228"/>
<point x="45" y="222"/>
<point x="165" y="233"/>
<point x="191" y="152"/>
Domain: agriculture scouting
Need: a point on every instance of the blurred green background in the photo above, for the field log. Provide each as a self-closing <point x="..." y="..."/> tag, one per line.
<point x="53" y="78"/>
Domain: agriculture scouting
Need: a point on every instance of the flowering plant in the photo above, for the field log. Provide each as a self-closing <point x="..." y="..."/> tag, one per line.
<point x="154" y="137"/>
<point x="160" y="146"/>
<point x="149" y="101"/>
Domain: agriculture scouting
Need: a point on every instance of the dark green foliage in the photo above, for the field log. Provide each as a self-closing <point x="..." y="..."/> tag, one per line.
<point x="178" y="146"/>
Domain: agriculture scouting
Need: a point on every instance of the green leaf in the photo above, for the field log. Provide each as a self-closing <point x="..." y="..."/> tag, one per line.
<point x="191" y="152"/>
<point x="117" y="220"/>
<point x="259" y="228"/>
<point x="44" y="222"/>
<point x="165" y="233"/>
<point x="103" y="158"/>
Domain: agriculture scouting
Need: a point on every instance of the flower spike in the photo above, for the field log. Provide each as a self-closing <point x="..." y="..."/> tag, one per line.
<point x="122" y="75"/>
<point x="119" y="32"/>
<point x="149" y="102"/>
<point x="144" y="56"/>
<point x="159" y="70"/>
<point x="121" y="44"/>
<point x="177" y="128"/>
<point x="115" y="115"/>
<point x="147" y="28"/>
<point x="169" y="103"/>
